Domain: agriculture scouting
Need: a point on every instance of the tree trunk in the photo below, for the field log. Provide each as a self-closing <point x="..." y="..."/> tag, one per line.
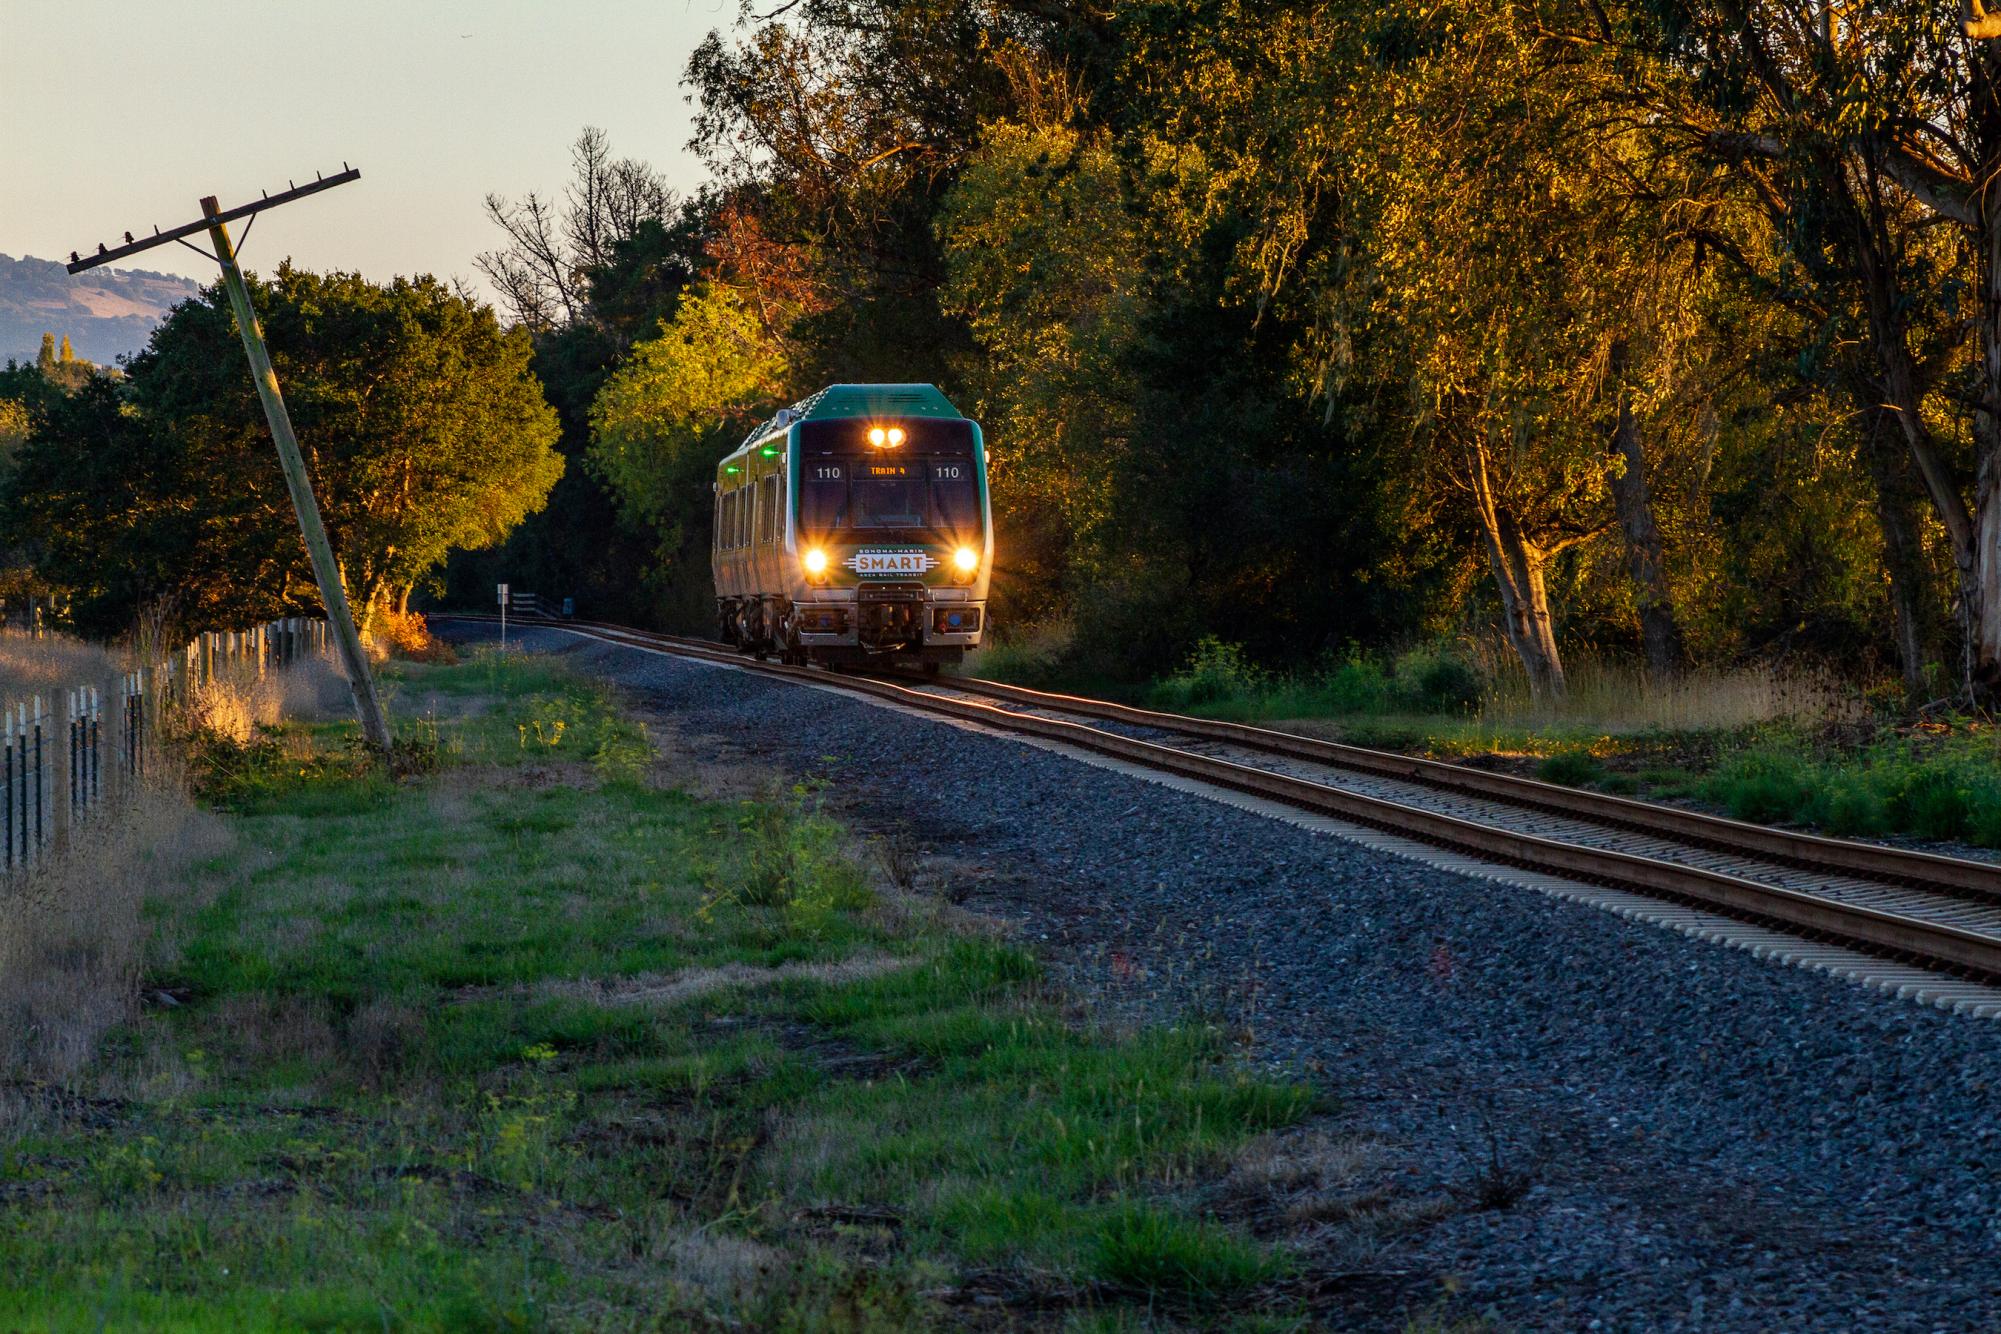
<point x="1518" y="564"/>
<point x="1659" y="630"/>
<point x="1972" y="532"/>
<point x="1898" y="496"/>
<point x="1980" y="593"/>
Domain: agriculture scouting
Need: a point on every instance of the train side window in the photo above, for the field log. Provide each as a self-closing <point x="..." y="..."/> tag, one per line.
<point x="767" y="510"/>
<point x="743" y="516"/>
<point x="731" y="503"/>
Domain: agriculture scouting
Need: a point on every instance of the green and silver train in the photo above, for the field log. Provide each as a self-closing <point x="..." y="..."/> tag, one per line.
<point x="853" y="527"/>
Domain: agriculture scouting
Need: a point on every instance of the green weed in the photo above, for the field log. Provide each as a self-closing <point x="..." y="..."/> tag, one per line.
<point x="1168" y="1254"/>
<point x="1572" y="768"/>
<point x="1945" y="788"/>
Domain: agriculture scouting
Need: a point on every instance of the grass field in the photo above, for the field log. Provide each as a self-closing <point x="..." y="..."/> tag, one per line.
<point x="536" y="1041"/>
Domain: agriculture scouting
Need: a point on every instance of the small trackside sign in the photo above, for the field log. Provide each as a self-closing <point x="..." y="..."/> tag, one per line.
<point x="892" y="561"/>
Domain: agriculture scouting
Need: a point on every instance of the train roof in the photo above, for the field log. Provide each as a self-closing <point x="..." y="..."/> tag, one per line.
<point x="860" y="400"/>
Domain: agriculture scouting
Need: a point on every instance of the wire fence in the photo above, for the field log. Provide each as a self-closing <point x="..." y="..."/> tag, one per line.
<point x="53" y="778"/>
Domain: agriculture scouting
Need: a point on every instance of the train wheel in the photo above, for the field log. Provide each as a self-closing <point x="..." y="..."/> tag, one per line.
<point x="933" y="668"/>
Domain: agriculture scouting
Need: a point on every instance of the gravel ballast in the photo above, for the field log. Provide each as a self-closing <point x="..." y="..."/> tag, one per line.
<point x="1706" y="1140"/>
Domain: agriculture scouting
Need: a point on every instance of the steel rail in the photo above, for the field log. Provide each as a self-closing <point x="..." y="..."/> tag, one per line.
<point x="1976" y="880"/>
<point x="1897" y="934"/>
<point x="1981" y="880"/>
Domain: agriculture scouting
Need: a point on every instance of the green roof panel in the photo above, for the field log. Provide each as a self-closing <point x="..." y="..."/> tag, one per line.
<point x="838" y="401"/>
<point x="875" y="400"/>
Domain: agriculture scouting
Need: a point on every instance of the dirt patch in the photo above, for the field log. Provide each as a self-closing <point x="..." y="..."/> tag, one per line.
<point x="687" y="983"/>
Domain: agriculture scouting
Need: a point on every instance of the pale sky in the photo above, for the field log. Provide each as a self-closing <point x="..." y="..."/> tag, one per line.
<point x="122" y="115"/>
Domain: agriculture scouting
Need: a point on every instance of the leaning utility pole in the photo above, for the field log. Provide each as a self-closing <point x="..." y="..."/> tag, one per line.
<point x="326" y="570"/>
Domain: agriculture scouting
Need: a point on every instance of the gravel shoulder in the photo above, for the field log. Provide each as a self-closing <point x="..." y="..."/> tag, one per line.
<point x="1694" y="1139"/>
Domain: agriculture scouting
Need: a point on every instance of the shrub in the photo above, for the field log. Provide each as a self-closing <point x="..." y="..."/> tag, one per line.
<point x="1437" y="681"/>
<point x="1217" y="671"/>
<point x="1572" y="768"/>
<point x="791" y="858"/>
<point x="1763" y="785"/>
<point x="408" y="635"/>
<point x="1358" y="685"/>
<point x="1985" y="821"/>
<point x="1848" y="805"/>
<point x="1931" y="803"/>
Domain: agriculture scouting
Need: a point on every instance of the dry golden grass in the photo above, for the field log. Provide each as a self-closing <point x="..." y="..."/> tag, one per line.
<point x="1619" y="697"/>
<point x="71" y="931"/>
<point x="54" y="663"/>
<point x="238" y="702"/>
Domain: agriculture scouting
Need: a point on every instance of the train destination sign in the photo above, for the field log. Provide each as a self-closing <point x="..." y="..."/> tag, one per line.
<point x="903" y="560"/>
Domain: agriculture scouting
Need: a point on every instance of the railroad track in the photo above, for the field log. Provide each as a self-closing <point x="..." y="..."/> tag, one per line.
<point x="1942" y="913"/>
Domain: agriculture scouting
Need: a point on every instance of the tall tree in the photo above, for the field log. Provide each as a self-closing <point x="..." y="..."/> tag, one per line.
<point x="555" y="248"/>
<point x="422" y="429"/>
<point x="583" y="545"/>
<point x="1526" y="299"/>
<point x="678" y="403"/>
<point x="1873" y="132"/>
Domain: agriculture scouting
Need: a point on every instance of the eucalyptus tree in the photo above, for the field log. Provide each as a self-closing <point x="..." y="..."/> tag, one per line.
<point x="1519" y="296"/>
<point x="1872" y="136"/>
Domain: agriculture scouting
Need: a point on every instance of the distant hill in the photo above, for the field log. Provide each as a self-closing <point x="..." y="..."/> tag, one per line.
<point x="107" y="313"/>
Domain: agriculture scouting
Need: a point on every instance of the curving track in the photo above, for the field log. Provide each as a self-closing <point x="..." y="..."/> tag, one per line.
<point x="1940" y="912"/>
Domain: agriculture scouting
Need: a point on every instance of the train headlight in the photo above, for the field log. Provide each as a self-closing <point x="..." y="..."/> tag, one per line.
<point x="877" y="436"/>
<point x="815" y="561"/>
<point x="895" y="436"/>
<point x="964" y="562"/>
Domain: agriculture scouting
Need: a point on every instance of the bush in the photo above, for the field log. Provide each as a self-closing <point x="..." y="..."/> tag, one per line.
<point x="1572" y="768"/>
<point x="1358" y="685"/>
<point x="1764" y="785"/>
<point x="408" y="635"/>
<point x="1129" y="630"/>
<point x="1931" y="803"/>
<point x="1437" y="681"/>
<point x="1217" y="671"/>
<point x="792" y="858"/>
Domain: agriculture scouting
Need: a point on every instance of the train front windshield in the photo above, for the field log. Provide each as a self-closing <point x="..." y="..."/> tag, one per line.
<point x="924" y="489"/>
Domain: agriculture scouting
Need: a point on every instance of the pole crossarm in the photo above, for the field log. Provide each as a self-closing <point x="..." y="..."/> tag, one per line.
<point x="78" y="263"/>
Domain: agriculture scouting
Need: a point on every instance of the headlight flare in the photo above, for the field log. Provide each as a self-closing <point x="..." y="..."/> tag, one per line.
<point x="966" y="559"/>
<point x="815" y="561"/>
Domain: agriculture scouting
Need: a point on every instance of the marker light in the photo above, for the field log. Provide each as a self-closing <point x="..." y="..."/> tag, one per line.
<point x="895" y="435"/>
<point x="877" y="436"/>
<point x="815" y="562"/>
<point x="966" y="559"/>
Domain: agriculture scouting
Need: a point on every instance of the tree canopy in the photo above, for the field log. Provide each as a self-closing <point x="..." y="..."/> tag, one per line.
<point x="421" y="426"/>
<point x="1656" y="327"/>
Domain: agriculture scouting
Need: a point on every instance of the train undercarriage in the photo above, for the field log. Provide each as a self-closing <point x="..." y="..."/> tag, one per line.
<point x="883" y="625"/>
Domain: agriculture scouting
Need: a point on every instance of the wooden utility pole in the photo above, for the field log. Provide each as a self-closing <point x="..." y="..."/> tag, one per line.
<point x="326" y="570"/>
